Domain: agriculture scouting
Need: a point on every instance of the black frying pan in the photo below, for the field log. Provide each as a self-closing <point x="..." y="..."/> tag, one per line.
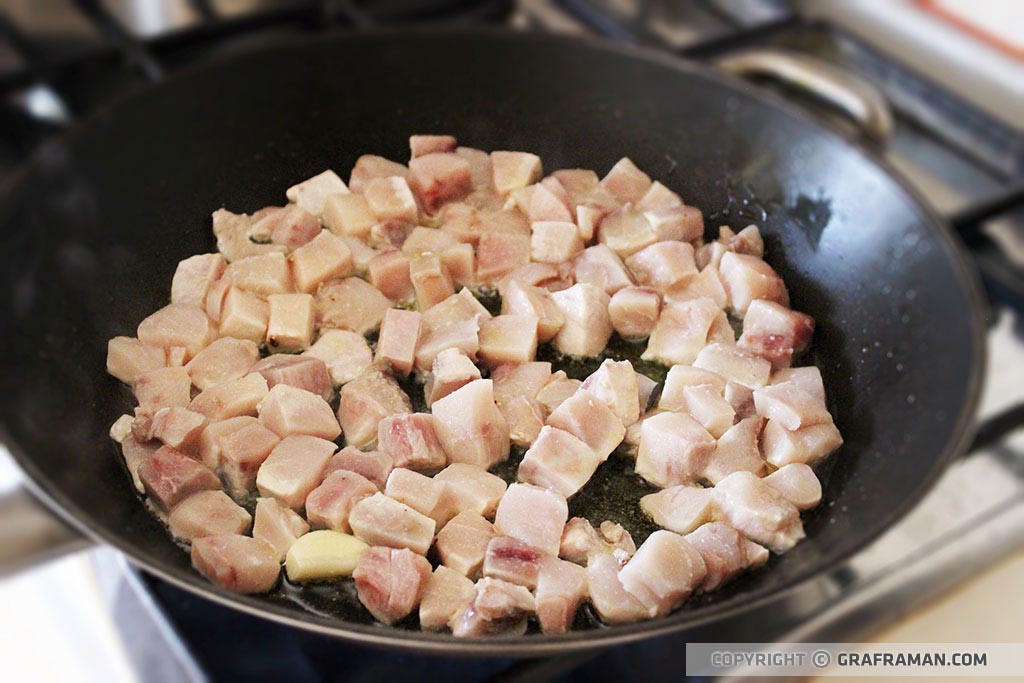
<point x="92" y="230"/>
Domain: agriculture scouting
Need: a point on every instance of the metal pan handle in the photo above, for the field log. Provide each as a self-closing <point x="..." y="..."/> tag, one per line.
<point x="30" y="534"/>
<point x="855" y="97"/>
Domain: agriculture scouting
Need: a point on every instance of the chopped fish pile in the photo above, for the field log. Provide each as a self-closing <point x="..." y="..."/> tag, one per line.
<point x="305" y="330"/>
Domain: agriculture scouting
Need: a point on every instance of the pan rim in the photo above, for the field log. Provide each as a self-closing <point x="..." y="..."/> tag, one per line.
<point x="573" y="641"/>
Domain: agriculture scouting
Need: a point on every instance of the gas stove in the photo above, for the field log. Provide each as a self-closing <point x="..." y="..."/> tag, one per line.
<point x="63" y="59"/>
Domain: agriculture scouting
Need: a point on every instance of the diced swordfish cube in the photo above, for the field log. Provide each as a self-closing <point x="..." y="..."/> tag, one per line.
<point x="370" y="166"/>
<point x="163" y="388"/>
<point x="183" y="325"/>
<point x="681" y="223"/>
<point x="122" y="428"/>
<point x="626" y="182"/>
<point x="498" y="608"/>
<point x="390" y="582"/>
<point x="170" y="477"/>
<point x="634" y="311"/>
<point x="241" y="450"/>
<point x="410" y="440"/>
<point x="439" y="177"/>
<point x="277" y="526"/>
<point x="389" y="272"/>
<point x="430" y="279"/>
<point x="302" y="372"/>
<point x="520" y="379"/>
<point x="626" y="231"/>
<point x="373" y="465"/>
<point x="288" y="410"/>
<point x="289" y="226"/>
<point x="348" y="215"/>
<point x="747" y="278"/>
<point x="446" y="594"/>
<point x="501" y="253"/>
<point x="223" y="360"/>
<point x="682" y="331"/>
<point x="663" y="265"/>
<point x="380" y="520"/>
<point x="726" y="553"/>
<point x="734" y="364"/>
<point x="439" y="335"/>
<point x="311" y="194"/>
<point x="508" y="339"/>
<point x="559" y="461"/>
<point x="264" y="275"/>
<point x="547" y="202"/>
<point x="351" y="304"/>
<point x="591" y="420"/>
<point x="291" y="323"/>
<point x="613" y="603"/>
<point x="554" y="241"/>
<point x="681" y="508"/>
<point x="645" y="390"/>
<point x="806" y="445"/>
<point x="135" y="454"/>
<point x="525" y="418"/>
<point x="737" y="450"/>
<point x="179" y="428"/>
<point x="511" y="560"/>
<point x="194" y="276"/>
<point x="758" y="511"/>
<point x="479" y="166"/>
<point x="420" y="145"/>
<point x="659" y="197"/>
<point x="615" y="383"/>
<point x="462" y="543"/>
<point x="580" y="541"/>
<point x="807" y="378"/>
<point x="600" y="266"/>
<point x="707" y="406"/>
<point x="399" y="335"/>
<point x="787" y="404"/>
<point x="798" y="484"/>
<point x="774" y="332"/>
<point x="244" y="315"/>
<point x="533" y="515"/>
<point x="680" y="377"/>
<point x="522" y="299"/>
<point x="238" y="563"/>
<point x="329" y="504"/>
<point x="470" y="427"/>
<point x="295" y="467"/>
<point x="587" y="326"/>
<point x="208" y="513"/>
<point x="231" y="399"/>
<point x="705" y="285"/>
<point x="422" y="493"/>
<point x="128" y="358"/>
<point x="367" y="400"/>
<point x="561" y="587"/>
<point x="391" y="200"/>
<point x="663" y="572"/>
<point x="451" y="370"/>
<point x="345" y="354"/>
<point x="323" y="258"/>
<point x="472" y="488"/>
<point x="232" y="233"/>
<point x="674" y="449"/>
<point x="557" y="390"/>
<point x="511" y="170"/>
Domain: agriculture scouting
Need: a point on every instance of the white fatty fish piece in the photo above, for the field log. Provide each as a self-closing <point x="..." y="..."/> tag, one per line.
<point x="746" y="241"/>
<point x="451" y="370"/>
<point x="370" y="166"/>
<point x="294" y="468"/>
<point x="300" y="371"/>
<point x="422" y="493"/>
<point x="277" y="526"/>
<point x="244" y="315"/>
<point x="735" y="365"/>
<point x="373" y="465"/>
<point x="329" y="504"/>
<point x="264" y="275"/>
<point x="472" y="488"/>
<point x="453" y="323"/>
<point x="287" y="410"/>
<point x="470" y="427"/>
<point x="508" y="339"/>
<point x="758" y="511"/>
<point x="747" y="278"/>
<point x="391" y="200"/>
<point x="362" y="253"/>
<point x="534" y="515"/>
<point x="511" y="170"/>
<point x="548" y="203"/>
<point x="706" y="405"/>
<point x="351" y="304"/>
<point x="323" y="258"/>
<point x="658" y="197"/>
<point x="390" y="582"/>
<point x="462" y="543"/>
<point x="726" y="553"/>
<point x="790" y="406"/>
<point x="312" y="194"/>
<point x="241" y="564"/>
<point x="241" y="449"/>
<point x="439" y="177"/>
<point x="223" y="360"/>
<point x="798" y="484"/>
<point x="346" y="354"/>
<point x="231" y="399"/>
<point x="807" y="378"/>
<point x="580" y="541"/>
<point x="498" y="608"/>
<point x="737" y="450"/>
<point x="128" y="358"/>
<point x="741" y="399"/>
<point x="680" y="508"/>
<point x="208" y="513"/>
<point x="674" y="449"/>
<point x="680" y="377"/>
<point x="209" y="441"/>
<point x="291" y="323"/>
<point x="663" y="265"/>
<point x="193" y="278"/>
<point x="178" y="428"/>
<point x="290" y="226"/>
<point x="559" y="461"/>
<point x="389" y="272"/>
<point x="163" y="388"/>
<point x="232" y="231"/>
<point x="380" y="520"/>
<point x="663" y="572"/>
<point x="587" y="326"/>
<point x="561" y="588"/>
<point x="509" y="559"/>
<point x="600" y="266"/>
<point x="807" y="445"/>
<point x="626" y="182"/>
<point x="634" y="311"/>
<point x="410" y="440"/>
<point x="557" y="390"/>
<point x="170" y="477"/>
<point x="178" y="325"/>
<point x="705" y="285"/>
<point x="525" y="418"/>
<point x="399" y="334"/>
<point x="626" y="231"/>
<point x="499" y="254"/>
<point x="682" y="331"/>
<point x="680" y="223"/>
<point x="528" y="300"/>
<point x="446" y="594"/>
<point x="614" y="604"/>
<point x="531" y="275"/>
<point x="775" y="332"/>
<point x="479" y="166"/>
<point x="513" y="380"/>
<point x="554" y="241"/>
<point x="615" y="383"/>
<point x="420" y="145"/>
<point x="367" y="400"/>
<point x="589" y="419"/>
<point x="431" y="281"/>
